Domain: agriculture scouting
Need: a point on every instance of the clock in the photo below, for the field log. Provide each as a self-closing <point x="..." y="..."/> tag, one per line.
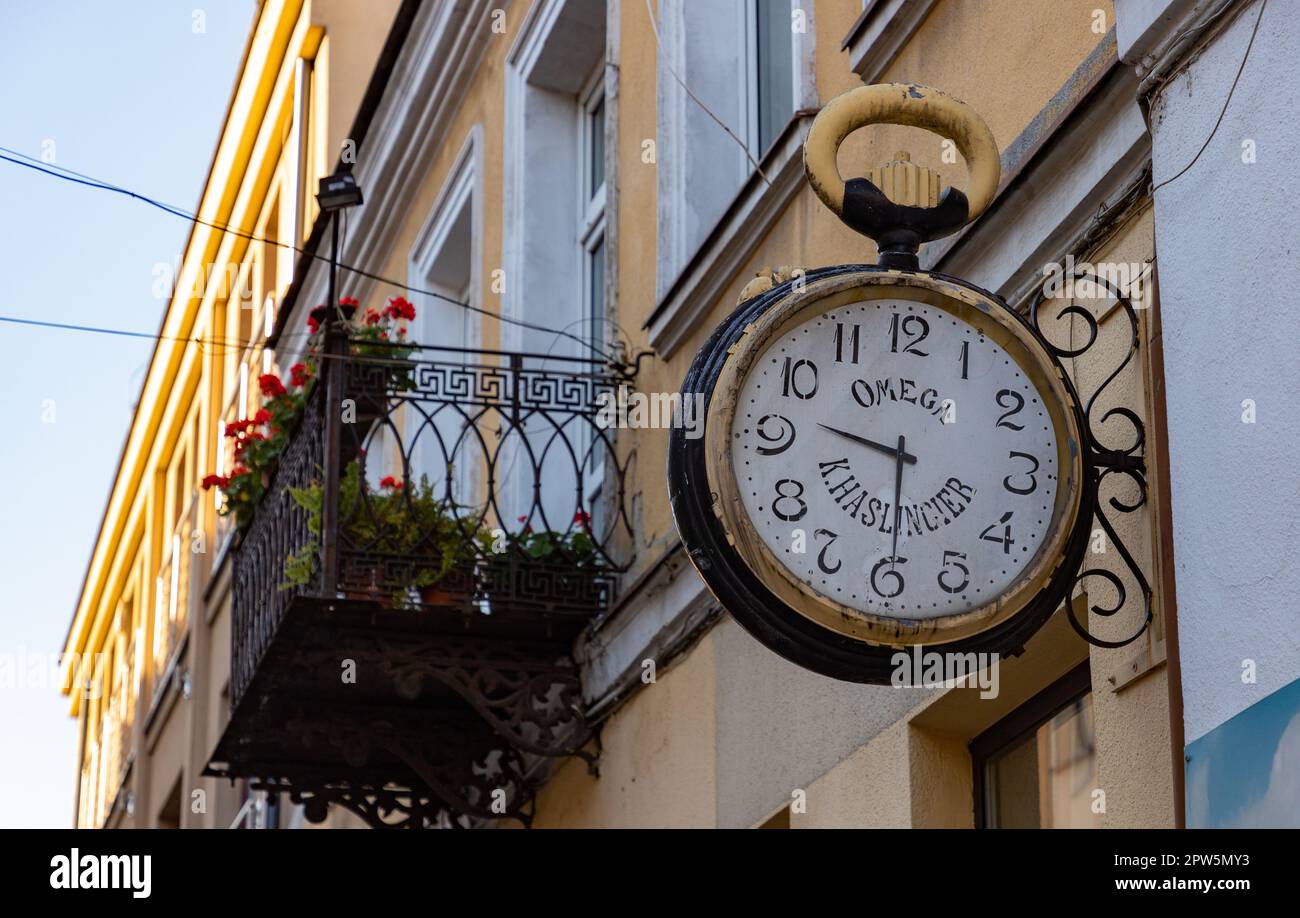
<point x="890" y="458"/>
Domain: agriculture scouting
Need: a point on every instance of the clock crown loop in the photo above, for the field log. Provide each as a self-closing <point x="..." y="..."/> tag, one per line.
<point x="906" y="183"/>
<point x="900" y="205"/>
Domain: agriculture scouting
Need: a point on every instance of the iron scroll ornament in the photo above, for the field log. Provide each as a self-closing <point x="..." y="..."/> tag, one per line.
<point x="754" y="605"/>
<point x="1103" y="460"/>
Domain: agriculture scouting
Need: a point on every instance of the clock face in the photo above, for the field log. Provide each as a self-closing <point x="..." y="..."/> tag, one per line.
<point x="895" y="459"/>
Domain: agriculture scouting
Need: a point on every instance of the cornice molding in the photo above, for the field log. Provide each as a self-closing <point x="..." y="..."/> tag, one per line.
<point x="881" y="32"/>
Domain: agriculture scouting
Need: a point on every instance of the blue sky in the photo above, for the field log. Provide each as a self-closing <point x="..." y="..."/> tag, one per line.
<point x="134" y="94"/>
<point x="1245" y="773"/>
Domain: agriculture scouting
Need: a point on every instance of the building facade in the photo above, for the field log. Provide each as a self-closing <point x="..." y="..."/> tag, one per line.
<point x="570" y="196"/>
<point x="149" y="643"/>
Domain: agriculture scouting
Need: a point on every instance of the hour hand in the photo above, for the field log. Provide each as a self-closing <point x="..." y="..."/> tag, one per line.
<point x="879" y="447"/>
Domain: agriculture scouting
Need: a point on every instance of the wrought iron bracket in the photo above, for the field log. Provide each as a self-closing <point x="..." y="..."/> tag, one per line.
<point x="1103" y="460"/>
<point x="464" y="773"/>
<point x="530" y="698"/>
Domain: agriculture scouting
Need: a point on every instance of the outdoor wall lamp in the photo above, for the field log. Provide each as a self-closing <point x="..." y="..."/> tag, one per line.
<point x="339" y="191"/>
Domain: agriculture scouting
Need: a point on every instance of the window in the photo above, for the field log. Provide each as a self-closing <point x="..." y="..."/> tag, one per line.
<point x="555" y="244"/>
<point x="771" y="78"/>
<point x="749" y="63"/>
<point x="1037" y="768"/>
<point x="591" y="241"/>
<point x="169" y="814"/>
<point x="591" y="223"/>
<point x="554" y="173"/>
<point x="445" y="259"/>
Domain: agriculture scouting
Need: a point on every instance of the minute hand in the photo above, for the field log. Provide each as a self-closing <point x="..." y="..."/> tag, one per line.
<point x="879" y="447"/>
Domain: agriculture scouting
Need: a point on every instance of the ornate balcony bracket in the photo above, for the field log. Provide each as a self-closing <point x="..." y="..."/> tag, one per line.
<point x="378" y="806"/>
<point x="470" y="774"/>
<point x="529" y="697"/>
<point x="1103" y="460"/>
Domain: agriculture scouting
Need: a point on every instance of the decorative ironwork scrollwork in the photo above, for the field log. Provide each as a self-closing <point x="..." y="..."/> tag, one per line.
<point x="525" y="474"/>
<point x="469" y="772"/>
<point x="531" y="699"/>
<point x="1126" y="461"/>
<point x="524" y="521"/>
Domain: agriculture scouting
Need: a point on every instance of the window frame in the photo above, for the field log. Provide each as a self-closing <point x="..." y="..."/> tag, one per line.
<point x="1022" y="722"/>
<point x="751" y="106"/>
<point x="592" y="217"/>
<point x="591" y="203"/>
<point x="694" y="262"/>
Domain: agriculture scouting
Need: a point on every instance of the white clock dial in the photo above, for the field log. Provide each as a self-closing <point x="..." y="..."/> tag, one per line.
<point x="941" y="528"/>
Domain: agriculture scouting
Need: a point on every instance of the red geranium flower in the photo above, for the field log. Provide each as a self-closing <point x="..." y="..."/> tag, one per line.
<point x="399" y="307"/>
<point x="313" y="324"/>
<point x="390" y="482"/>
<point x="299" y="374"/>
<point x="271" y="385"/>
<point x="372" y="317"/>
<point x="215" y="481"/>
<point x="582" y="518"/>
<point x="262" y="416"/>
<point x="349" y="301"/>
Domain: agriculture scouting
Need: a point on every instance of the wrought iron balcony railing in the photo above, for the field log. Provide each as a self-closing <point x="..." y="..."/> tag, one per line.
<point x="447" y="522"/>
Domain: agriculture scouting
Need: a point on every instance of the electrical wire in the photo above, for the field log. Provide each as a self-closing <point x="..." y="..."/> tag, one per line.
<point x="1223" y="111"/>
<point x="226" y="343"/>
<point x="654" y="28"/>
<point x="79" y="178"/>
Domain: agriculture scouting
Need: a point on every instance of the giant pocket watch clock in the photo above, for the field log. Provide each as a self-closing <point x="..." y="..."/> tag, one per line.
<point x="890" y="458"/>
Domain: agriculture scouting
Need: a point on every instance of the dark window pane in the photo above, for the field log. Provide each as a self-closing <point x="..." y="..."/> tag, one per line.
<point x="1046" y="778"/>
<point x="775" y="70"/>
<point x="596" y="166"/>
<point x="596" y="294"/>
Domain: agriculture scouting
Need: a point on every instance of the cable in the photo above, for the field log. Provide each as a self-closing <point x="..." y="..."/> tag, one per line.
<point x="654" y="28"/>
<point x="78" y="178"/>
<point x="251" y="346"/>
<point x="1245" y="57"/>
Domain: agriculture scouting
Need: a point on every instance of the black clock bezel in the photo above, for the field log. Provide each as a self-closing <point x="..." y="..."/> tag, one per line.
<point x="752" y="604"/>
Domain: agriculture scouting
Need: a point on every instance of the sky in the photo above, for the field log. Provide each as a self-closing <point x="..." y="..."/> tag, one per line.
<point x="132" y="93"/>
<point x="1245" y="773"/>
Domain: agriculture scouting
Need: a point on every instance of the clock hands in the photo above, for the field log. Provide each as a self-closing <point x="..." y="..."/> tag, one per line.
<point x="901" y="457"/>
<point x="879" y="447"/>
<point x="898" y="493"/>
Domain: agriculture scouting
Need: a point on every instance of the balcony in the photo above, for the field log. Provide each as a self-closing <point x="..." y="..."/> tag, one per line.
<point x="437" y="532"/>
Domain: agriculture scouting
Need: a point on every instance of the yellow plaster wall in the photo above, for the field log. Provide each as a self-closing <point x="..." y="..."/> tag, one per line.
<point x="658" y="767"/>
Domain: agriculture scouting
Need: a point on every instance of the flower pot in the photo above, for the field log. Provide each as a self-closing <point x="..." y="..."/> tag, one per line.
<point x="437" y="596"/>
<point x="322" y="313"/>
<point x="509" y="580"/>
<point x="453" y="589"/>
